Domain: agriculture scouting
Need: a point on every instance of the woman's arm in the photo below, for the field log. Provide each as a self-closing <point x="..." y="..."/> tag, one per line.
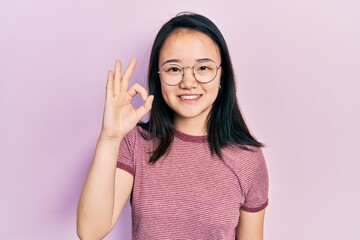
<point x="105" y="193"/>
<point x="107" y="188"/>
<point x="250" y="225"/>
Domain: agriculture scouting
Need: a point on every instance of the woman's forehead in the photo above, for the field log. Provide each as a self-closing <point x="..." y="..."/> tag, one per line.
<point x="188" y="45"/>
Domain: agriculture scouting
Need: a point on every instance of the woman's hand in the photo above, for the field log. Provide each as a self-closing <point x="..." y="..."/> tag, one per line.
<point x="119" y="114"/>
<point x="106" y="188"/>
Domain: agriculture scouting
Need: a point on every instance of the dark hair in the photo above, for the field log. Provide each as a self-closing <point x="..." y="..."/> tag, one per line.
<point x="225" y="124"/>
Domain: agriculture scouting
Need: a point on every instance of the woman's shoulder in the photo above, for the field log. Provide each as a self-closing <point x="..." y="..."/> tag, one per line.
<point x="245" y="155"/>
<point x="248" y="165"/>
<point x="245" y="150"/>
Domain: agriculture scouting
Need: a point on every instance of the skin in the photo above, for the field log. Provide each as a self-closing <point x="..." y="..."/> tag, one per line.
<point x="187" y="48"/>
<point x="251" y="225"/>
<point x="107" y="188"/>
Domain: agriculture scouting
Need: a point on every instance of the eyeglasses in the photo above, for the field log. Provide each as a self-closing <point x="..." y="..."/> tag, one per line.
<point x="204" y="72"/>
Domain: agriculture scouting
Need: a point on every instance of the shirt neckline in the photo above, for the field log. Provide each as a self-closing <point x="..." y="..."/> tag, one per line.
<point x="189" y="138"/>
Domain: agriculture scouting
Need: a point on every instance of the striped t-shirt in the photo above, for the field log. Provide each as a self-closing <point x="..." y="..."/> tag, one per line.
<point x="189" y="193"/>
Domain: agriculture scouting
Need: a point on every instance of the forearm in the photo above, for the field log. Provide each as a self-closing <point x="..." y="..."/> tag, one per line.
<point x="96" y="204"/>
<point x="97" y="213"/>
<point x="251" y="225"/>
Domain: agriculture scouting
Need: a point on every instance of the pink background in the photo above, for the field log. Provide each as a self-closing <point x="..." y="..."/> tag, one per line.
<point x="298" y="70"/>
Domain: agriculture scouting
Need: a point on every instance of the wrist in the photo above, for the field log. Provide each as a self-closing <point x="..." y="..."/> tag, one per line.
<point x="113" y="139"/>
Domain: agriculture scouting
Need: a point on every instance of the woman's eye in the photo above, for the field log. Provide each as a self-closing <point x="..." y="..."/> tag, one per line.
<point x="173" y="69"/>
<point x="203" y="68"/>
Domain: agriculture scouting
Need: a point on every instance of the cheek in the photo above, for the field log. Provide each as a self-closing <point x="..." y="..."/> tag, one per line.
<point x="164" y="93"/>
<point x="215" y="93"/>
<point x="214" y="88"/>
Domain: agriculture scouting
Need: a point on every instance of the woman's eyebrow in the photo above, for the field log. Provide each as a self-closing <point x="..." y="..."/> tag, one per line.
<point x="171" y="61"/>
<point x="205" y="60"/>
<point x="178" y="61"/>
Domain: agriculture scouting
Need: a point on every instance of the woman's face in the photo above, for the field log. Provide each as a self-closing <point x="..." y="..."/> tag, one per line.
<point x="190" y="100"/>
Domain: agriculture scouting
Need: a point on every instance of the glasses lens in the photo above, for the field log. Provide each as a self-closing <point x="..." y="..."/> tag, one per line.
<point x="205" y="71"/>
<point x="171" y="74"/>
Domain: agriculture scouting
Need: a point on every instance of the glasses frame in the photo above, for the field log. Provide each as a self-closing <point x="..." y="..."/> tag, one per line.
<point x="193" y="73"/>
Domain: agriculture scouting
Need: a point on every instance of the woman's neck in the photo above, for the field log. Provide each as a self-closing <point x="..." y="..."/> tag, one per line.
<point x="190" y="126"/>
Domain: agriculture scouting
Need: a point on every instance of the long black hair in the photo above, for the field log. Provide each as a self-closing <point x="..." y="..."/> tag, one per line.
<point x="225" y="124"/>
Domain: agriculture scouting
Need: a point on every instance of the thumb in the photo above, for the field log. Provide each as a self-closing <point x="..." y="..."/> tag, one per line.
<point x="145" y="108"/>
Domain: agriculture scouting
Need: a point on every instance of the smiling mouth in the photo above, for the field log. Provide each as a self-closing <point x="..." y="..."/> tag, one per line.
<point x="189" y="97"/>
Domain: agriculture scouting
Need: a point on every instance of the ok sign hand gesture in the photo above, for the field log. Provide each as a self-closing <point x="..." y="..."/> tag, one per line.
<point x="119" y="114"/>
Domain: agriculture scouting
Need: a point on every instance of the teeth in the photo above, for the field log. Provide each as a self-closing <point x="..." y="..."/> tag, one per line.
<point x="189" y="97"/>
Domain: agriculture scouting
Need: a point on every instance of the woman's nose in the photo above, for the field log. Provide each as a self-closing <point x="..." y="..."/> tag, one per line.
<point x="189" y="81"/>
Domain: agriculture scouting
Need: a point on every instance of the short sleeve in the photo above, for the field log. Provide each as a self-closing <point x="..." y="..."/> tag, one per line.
<point x="256" y="198"/>
<point x="126" y="152"/>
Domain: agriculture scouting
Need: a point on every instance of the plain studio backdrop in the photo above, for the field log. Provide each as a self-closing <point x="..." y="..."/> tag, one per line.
<point x="297" y="65"/>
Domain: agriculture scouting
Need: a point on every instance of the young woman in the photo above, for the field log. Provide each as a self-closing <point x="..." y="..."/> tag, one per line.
<point x="193" y="171"/>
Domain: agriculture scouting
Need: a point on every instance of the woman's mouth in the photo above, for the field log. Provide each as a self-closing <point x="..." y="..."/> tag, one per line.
<point x="189" y="97"/>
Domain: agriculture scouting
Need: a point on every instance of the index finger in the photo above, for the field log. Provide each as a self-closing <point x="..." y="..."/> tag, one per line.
<point x="125" y="78"/>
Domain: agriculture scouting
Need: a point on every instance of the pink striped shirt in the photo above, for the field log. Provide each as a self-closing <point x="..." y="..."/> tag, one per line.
<point x="190" y="194"/>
